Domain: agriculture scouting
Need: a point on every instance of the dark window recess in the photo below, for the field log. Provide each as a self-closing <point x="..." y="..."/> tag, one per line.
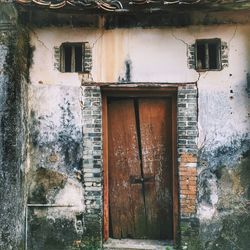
<point x="72" y="57"/>
<point x="67" y="58"/>
<point x="208" y="54"/>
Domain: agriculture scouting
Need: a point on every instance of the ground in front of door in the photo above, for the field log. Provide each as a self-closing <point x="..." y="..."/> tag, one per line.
<point x="129" y="244"/>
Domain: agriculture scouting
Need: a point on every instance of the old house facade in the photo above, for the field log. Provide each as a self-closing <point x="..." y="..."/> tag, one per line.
<point x="124" y="119"/>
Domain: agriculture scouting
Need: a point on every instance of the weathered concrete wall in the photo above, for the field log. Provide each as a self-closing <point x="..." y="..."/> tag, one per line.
<point x="155" y="55"/>
<point x="14" y="64"/>
<point x="55" y="187"/>
<point x="116" y="50"/>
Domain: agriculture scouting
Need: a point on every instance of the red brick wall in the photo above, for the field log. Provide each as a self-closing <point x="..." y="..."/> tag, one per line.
<point x="187" y="181"/>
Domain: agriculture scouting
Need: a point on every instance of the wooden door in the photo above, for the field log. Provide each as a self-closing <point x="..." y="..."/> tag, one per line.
<point x="140" y="167"/>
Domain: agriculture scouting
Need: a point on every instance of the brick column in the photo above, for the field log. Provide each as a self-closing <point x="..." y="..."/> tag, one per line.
<point x="187" y="162"/>
<point x="92" y="164"/>
<point x="187" y="148"/>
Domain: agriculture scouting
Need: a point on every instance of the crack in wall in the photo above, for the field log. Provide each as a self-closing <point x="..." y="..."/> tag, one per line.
<point x="233" y="36"/>
<point x="37" y="38"/>
<point x="89" y="77"/>
<point x="179" y="39"/>
<point x="187" y="45"/>
<point x="94" y="43"/>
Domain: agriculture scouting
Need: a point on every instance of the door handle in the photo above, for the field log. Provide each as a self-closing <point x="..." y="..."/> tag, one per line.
<point x="140" y="180"/>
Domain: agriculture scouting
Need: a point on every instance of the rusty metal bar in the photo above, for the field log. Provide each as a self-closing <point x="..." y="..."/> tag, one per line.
<point x="49" y="205"/>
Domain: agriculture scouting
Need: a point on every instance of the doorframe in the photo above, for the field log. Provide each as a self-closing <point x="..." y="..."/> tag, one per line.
<point x="110" y="91"/>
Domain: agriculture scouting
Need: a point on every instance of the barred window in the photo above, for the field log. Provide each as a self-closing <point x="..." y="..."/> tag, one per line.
<point x="208" y="54"/>
<point x="75" y="57"/>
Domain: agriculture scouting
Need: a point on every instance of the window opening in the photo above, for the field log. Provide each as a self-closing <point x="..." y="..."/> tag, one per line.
<point x="208" y="54"/>
<point x="67" y="58"/>
<point x="72" y="57"/>
<point x="78" y="58"/>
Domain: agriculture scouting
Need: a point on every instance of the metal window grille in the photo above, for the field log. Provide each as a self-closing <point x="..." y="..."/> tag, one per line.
<point x="208" y="54"/>
<point x="75" y="57"/>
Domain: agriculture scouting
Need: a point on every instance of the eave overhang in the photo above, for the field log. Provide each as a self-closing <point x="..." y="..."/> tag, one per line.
<point x="137" y="5"/>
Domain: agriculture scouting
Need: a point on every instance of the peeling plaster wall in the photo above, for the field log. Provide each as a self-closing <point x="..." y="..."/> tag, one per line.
<point x="55" y="189"/>
<point x="153" y="55"/>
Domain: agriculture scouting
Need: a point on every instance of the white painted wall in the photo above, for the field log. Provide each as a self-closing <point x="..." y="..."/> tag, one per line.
<point x="160" y="55"/>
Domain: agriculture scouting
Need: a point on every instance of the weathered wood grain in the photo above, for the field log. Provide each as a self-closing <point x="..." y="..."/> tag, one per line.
<point x="127" y="218"/>
<point x="156" y="133"/>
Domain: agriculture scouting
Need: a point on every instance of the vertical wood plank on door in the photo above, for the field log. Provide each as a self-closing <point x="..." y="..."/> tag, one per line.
<point x="127" y="218"/>
<point x="105" y="172"/>
<point x="155" y="115"/>
<point x="175" y="170"/>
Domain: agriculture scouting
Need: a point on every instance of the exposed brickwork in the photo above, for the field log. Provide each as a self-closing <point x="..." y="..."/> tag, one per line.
<point x="187" y="148"/>
<point x="224" y="54"/>
<point x="57" y="58"/>
<point x="92" y="158"/>
<point x="188" y="179"/>
<point x="187" y="119"/>
<point x="87" y="58"/>
<point x="191" y="56"/>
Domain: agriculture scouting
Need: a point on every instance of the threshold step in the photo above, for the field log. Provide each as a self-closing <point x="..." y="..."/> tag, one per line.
<point x="130" y="244"/>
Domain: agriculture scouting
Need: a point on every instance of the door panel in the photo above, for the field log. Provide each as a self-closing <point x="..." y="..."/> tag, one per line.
<point x="155" y="129"/>
<point x="127" y="218"/>
<point x="140" y="167"/>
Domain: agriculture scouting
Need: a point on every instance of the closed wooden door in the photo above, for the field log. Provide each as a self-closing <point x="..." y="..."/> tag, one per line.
<point x="140" y="168"/>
